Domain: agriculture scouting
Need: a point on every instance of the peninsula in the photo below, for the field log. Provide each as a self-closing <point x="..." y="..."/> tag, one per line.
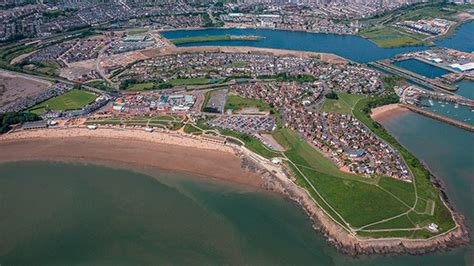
<point x="106" y="85"/>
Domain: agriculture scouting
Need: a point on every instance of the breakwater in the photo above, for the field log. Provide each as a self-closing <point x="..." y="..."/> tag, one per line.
<point x="439" y="117"/>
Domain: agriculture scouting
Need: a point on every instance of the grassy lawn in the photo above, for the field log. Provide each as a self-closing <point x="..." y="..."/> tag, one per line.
<point x="74" y="99"/>
<point x="141" y="86"/>
<point x="344" y="104"/>
<point x="370" y="199"/>
<point x="400" y="222"/>
<point x="358" y="203"/>
<point x="190" y="129"/>
<point x="169" y="122"/>
<point x="235" y="102"/>
<point x="425" y="188"/>
<point x="251" y="143"/>
<point x="390" y="36"/>
<point x="137" y="31"/>
<point x="189" y="81"/>
<point x="239" y="64"/>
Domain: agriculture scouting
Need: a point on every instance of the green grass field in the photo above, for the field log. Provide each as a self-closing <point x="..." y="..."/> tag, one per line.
<point x="371" y="200"/>
<point x="390" y="36"/>
<point x="74" y="99"/>
<point x="235" y="102"/>
<point x="141" y="86"/>
<point x="427" y="193"/>
<point x="344" y="104"/>
<point x="190" y="129"/>
<point x="251" y="143"/>
<point x="168" y="122"/>
<point x="189" y="81"/>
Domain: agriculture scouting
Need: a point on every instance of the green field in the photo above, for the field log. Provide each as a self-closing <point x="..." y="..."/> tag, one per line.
<point x="190" y="129"/>
<point x="211" y="38"/>
<point x="189" y="81"/>
<point x="251" y="143"/>
<point x="167" y="122"/>
<point x="72" y="100"/>
<point x="239" y="64"/>
<point x="371" y="200"/>
<point x="390" y="36"/>
<point x="141" y="86"/>
<point x="344" y="104"/>
<point x="235" y="102"/>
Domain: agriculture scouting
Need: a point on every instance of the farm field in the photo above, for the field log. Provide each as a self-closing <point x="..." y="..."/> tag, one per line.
<point x="72" y="100"/>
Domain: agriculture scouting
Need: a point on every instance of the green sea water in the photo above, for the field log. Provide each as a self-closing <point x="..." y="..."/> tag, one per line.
<point x="57" y="213"/>
<point x="74" y="214"/>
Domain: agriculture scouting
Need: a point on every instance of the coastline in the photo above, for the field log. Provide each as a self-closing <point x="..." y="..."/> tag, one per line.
<point x="173" y="152"/>
<point x="134" y="149"/>
<point x="388" y="111"/>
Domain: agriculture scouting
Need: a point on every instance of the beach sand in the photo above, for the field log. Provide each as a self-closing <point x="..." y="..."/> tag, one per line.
<point x="388" y="111"/>
<point x="130" y="148"/>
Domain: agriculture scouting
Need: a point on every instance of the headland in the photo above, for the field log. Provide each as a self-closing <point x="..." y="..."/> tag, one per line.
<point x="190" y="154"/>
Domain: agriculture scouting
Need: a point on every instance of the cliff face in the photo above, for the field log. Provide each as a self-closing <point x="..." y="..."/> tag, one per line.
<point x="349" y="244"/>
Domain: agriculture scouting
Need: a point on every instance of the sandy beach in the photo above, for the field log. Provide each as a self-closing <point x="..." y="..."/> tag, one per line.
<point x="388" y="111"/>
<point x="131" y="147"/>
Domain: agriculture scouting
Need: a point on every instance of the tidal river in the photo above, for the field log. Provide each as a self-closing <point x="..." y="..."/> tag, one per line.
<point x="351" y="47"/>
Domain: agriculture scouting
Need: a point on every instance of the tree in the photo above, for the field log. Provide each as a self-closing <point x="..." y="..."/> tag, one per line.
<point x="332" y="95"/>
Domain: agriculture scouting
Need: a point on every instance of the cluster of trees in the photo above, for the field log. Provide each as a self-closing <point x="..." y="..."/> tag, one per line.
<point x="332" y="95"/>
<point x="11" y="118"/>
<point x="210" y="110"/>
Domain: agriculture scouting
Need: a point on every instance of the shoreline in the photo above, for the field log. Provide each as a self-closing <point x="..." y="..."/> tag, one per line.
<point x="388" y="111"/>
<point x="171" y="152"/>
<point x="109" y="147"/>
